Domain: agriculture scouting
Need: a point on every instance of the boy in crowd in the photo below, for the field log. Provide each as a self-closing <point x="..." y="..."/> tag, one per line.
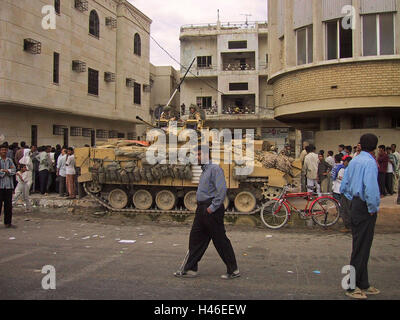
<point x="382" y="160"/>
<point x="323" y="171"/>
<point x="23" y="178"/>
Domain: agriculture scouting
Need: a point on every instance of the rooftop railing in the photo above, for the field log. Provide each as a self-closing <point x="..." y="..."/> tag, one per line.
<point x="226" y="26"/>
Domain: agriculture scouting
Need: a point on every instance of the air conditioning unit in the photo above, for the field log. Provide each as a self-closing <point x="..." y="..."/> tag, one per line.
<point x="78" y="66"/>
<point x="130" y="83"/>
<point x="32" y="46"/>
<point x="111" y="22"/>
<point x="109" y="77"/>
<point x="146" y="88"/>
<point x="81" y="5"/>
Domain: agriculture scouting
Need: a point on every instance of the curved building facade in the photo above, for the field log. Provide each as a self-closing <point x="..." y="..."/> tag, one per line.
<point x="335" y="68"/>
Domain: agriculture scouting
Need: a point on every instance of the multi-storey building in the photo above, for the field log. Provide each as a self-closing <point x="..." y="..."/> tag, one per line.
<point x="163" y="82"/>
<point x="229" y="78"/>
<point x="84" y="81"/>
<point x="336" y="78"/>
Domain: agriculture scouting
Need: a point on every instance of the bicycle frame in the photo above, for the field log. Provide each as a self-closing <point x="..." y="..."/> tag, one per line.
<point x="283" y="200"/>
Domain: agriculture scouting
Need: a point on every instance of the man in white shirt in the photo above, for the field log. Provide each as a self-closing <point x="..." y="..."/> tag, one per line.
<point x="70" y="173"/>
<point x="310" y="169"/>
<point x="61" y="173"/>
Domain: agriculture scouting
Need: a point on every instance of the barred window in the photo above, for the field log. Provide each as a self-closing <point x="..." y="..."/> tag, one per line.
<point x="136" y="93"/>
<point x="93" y="82"/>
<point x="101" y="134"/>
<point x="137" y="45"/>
<point x="131" y="135"/>
<point x="76" y="132"/>
<point x="113" y="134"/>
<point x="87" y="132"/>
<point x="94" y="24"/>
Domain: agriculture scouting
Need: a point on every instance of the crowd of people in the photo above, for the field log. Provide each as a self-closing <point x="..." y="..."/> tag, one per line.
<point x="325" y="175"/>
<point x="25" y="170"/>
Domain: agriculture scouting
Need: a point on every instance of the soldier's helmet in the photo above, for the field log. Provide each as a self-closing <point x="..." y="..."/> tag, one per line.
<point x="193" y="107"/>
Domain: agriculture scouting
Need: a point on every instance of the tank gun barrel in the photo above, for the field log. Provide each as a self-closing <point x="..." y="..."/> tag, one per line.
<point x="145" y="122"/>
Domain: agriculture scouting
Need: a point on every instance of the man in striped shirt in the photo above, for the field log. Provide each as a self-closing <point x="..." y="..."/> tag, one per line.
<point x="208" y="223"/>
<point x="7" y="171"/>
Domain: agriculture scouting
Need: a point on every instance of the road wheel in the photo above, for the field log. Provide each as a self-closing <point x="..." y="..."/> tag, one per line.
<point x="93" y="187"/>
<point x="190" y="200"/>
<point x="165" y="200"/>
<point x="142" y="199"/>
<point x="118" y="198"/>
<point x="245" y="201"/>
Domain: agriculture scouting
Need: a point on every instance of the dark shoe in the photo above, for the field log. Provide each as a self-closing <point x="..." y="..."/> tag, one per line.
<point x="185" y="274"/>
<point x="10" y="226"/>
<point x="233" y="275"/>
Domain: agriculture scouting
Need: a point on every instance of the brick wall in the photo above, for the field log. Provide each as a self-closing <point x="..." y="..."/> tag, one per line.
<point x="356" y="79"/>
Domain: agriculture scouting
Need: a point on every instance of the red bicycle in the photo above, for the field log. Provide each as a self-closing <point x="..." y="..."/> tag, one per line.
<point x="324" y="209"/>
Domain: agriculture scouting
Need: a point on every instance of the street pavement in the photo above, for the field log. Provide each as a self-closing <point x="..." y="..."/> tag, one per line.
<point x="91" y="263"/>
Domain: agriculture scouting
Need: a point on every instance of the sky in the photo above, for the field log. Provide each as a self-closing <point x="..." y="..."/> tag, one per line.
<point x="168" y="16"/>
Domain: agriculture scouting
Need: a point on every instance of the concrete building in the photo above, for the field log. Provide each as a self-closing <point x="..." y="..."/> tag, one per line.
<point x="229" y="78"/>
<point x="84" y="81"/>
<point x="163" y="82"/>
<point x="336" y="78"/>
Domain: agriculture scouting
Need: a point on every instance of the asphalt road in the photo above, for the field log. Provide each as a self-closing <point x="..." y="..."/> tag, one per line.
<point x="90" y="262"/>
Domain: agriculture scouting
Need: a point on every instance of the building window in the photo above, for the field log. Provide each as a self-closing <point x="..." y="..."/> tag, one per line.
<point x="365" y="122"/>
<point x="239" y="86"/>
<point x="131" y="136"/>
<point x="136" y="93"/>
<point x="93" y="82"/>
<point x="204" y="62"/>
<point x="204" y="102"/>
<point x="333" y="123"/>
<point x="339" y="41"/>
<point x="56" y="67"/>
<point x="86" y="132"/>
<point x="57" y="6"/>
<point x="305" y="45"/>
<point x="112" y="134"/>
<point x="76" y="132"/>
<point x="237" y="44"/>
<point x="137" y="45"/>
<point x="94" y="24"/>
<point x="378" y="34"/>
<point x="101" y="134"/>
<point x="121" y="135"/>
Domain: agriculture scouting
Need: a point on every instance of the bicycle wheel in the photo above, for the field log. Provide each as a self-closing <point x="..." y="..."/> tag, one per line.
<point x="273" y="214"/>
<point x="325" y="211"/>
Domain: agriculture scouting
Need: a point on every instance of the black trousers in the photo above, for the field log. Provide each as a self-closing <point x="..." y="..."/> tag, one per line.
<point x="62" y="185"/>
<point x="209" y="226"/>
<point x="43" y="180"/>
<point x="381" y="182"/>
<point x="6" y="202"/>
<point x="389" y="183"/>
<point x="362" y="228"/>
<point x="345" y="205"/>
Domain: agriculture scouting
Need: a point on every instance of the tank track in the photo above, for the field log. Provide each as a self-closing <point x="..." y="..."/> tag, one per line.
<point x="179" y="212"/>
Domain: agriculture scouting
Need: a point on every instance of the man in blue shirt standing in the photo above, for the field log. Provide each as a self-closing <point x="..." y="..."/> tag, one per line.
<point x="7" y="171"/>
<point x="360" y="185"/>
<point x="208" y="223"/>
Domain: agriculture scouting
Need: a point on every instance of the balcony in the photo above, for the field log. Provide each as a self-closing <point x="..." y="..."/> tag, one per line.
<point x="238" y="61"/>
<point x="238" y="67"/>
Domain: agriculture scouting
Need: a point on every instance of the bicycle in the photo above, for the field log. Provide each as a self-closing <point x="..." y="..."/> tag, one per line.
<point x="323" y="209"/>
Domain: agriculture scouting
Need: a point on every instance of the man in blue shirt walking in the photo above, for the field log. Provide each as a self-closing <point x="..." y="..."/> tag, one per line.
<point x="208" y="223"/>
<point x="360" y="185"/>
